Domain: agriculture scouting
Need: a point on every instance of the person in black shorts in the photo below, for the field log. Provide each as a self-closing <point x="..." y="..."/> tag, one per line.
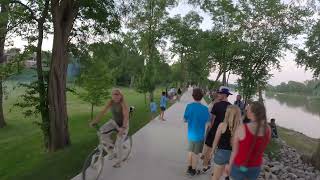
<point x="218" y="113"/>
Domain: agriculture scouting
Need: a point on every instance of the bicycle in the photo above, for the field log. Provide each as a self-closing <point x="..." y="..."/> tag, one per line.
<point x="93" y="164"/>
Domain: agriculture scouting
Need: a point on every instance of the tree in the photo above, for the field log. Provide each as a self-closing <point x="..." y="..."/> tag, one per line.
<point x="147" y="21"/>
<point x="33" y="26"/>
<point x="4" y="20"/>
<point x="92" y="16"/>
<point x="310" y="57"/>
<point x="224" y="35"/>
<point x="182" y="32"/>
<point x="96" y="80"/>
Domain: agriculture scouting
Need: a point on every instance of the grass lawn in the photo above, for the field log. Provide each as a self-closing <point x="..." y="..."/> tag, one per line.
<point x="22" y="156"/>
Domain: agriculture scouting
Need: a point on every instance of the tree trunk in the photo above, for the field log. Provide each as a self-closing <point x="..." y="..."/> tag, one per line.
<point x="131" y="81"/>
<point x="2" y="120"/>
<point x="224" y="79"/>
<point x="91" y="111"/>
<point x="228" y="78"/>
<point x="59" y="133"/>
<point x="3" y="34"/>
<point x="44" y="110"/>
<point x="63" y="14"/>
<point x="219" y="75"/>
<point x="260" y="96"/>
<point x="151" y="95"/>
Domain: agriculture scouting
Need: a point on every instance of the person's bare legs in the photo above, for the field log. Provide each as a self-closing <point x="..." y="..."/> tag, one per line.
<point x="217" y="171"/>
<point x="162" y="116"/>
<point x="190" y="159"/>
<point x="207" y="156"/>
<point x="194" y="161"/>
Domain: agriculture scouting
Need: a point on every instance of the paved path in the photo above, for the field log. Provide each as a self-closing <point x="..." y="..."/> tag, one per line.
<point x="159" y="150"/>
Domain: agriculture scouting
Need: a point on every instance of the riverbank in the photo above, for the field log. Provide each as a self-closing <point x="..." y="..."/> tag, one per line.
<point x="302" y="143"/>
<point x="288" y="165"/>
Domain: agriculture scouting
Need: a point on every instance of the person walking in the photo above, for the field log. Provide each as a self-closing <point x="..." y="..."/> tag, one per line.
<point x="249" y="144"/>
<point x="163" y="105"/>
<point x="196" y="116"/>
<point x="218" y="114"/>
<point x="179" y="93"/>
<point x="240" y="104"/>
<point x="223" y="139"/>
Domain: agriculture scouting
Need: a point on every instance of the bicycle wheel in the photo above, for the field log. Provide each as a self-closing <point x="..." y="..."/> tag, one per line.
<point x="93" y="165"/>
<point x="127" y="146"/>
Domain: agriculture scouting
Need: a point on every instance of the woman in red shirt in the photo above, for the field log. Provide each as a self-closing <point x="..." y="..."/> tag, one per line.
<point x="249" y="143"/>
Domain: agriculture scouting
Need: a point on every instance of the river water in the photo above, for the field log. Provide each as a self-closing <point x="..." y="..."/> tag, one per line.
<point x="299" y="113"/>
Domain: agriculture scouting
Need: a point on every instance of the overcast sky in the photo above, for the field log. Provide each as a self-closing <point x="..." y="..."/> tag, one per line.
<point x="289" y="70"/>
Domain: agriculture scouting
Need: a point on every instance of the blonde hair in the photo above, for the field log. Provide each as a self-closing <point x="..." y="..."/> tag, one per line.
<point x="232" y="118"/>
<point x="122" y="100"/>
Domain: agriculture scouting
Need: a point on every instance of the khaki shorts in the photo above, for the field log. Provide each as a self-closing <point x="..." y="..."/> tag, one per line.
<point x="195" y="147"/>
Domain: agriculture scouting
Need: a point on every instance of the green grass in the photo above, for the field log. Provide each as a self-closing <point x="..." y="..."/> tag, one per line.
<point x="299" y="141"/>
<point x="273" y="149"/>
<point x="22" y="156"/>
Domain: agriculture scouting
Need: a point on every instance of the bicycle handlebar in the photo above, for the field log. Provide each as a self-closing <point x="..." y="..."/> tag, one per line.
<point x="96" y="126"/>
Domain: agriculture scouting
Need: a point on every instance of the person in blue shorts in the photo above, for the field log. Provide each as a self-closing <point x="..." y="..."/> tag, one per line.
<point x="196" y="115"/>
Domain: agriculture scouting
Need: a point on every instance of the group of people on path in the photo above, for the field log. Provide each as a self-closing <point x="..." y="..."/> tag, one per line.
<point x="237" y="147"/>
<point x="163" y="104"/>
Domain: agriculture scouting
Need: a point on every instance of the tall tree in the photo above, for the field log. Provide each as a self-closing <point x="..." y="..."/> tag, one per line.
<point x="147" y="21"/>
<point x="225" y="15"/>
<point x="4" y="20"/>
<point x="182" y="32"/>
<point x="95" y="78"/>
<point x="34" y="16"/>
<point x="310" y="58"/>
<point x="91" y="15"/>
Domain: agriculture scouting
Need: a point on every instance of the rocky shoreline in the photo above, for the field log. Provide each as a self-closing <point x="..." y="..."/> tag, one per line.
<point x="290" y="165"/>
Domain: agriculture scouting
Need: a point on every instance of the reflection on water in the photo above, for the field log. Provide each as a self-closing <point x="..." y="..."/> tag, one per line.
<point x="299" y="113"/>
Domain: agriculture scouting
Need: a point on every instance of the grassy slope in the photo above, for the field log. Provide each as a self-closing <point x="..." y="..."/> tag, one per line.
<point x="299" y="141"/>
<point x="23" y="157"/>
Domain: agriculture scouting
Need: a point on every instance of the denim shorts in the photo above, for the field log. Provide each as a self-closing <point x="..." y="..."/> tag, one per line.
<point x="222" y="157"/>
<point x="251" y="174"/>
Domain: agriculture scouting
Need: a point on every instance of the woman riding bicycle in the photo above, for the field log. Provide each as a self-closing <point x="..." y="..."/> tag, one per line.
<point x="119" y="121"/>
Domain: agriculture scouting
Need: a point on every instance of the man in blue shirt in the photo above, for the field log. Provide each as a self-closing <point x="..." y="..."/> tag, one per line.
<point x="197" y="116"/>
<point x="163" y="105"/>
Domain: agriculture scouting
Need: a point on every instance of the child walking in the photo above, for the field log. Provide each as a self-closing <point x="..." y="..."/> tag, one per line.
<point x="197" y="116"/>
<point x="163" y="105"/>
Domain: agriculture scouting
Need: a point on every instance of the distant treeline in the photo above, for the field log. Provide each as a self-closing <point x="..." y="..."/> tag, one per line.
<point x="311" y="87"/>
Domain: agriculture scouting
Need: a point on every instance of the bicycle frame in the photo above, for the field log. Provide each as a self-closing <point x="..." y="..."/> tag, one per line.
<point x="99" y="133"/>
